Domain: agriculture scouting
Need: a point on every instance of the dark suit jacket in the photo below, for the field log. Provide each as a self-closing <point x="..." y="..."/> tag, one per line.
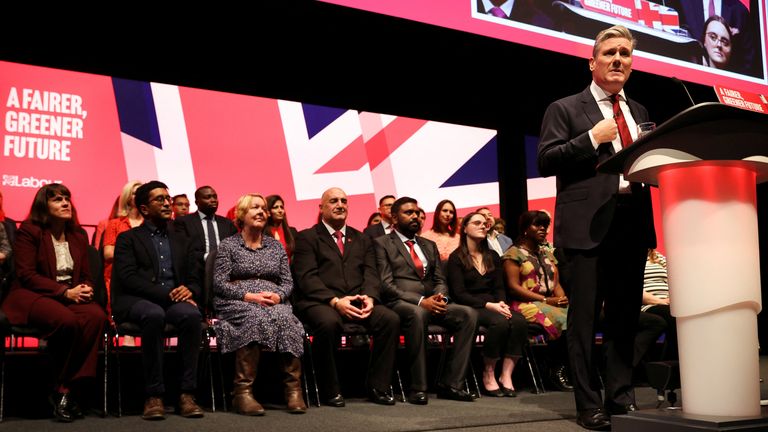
<point x="322" y="273"/>
<point x="136" y="266"/>
<point x="35" y="261"/>
<point x="375" y="230"/>
<point x="586" y="199"/>
<point x="534" y="12"/>
<point x="191" y="226"/>
<point x="399" y="278"/>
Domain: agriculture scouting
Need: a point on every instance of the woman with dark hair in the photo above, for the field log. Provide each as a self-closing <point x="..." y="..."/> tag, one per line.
<point x="444" y="229"/>
<point x="374" y="218"/>
<point x="53" y="293"/>
<point x="252" y="286"/>
<point x="277" y="224"/>
<point x="532" y="275"/>
<point x="717" y="40"/>
<point x="475" y="279"/>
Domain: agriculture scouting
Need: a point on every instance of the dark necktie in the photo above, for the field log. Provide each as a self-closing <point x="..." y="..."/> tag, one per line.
<point x="415" y="257"/>
<point x="211" y="234"/>
<point x="497" y="12"/>
<point x="621" y="122"/>
<point x="339" y="241"/>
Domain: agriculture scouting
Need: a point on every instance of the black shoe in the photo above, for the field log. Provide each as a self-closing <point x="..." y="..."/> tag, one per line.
<point x="74" y="407"/>
<point x="594" y="419"/>
<point x="336" y="400"/>
<point x="492" y="393"/>
<point x="454" y="394"/>
<point x="418" y="398"/>
<point x="508" y="392"/>
<point x="380" y="397"/>
<point x="559" y="378"/>
<point x="615" y="409"/>
<point x="60" y="403"/>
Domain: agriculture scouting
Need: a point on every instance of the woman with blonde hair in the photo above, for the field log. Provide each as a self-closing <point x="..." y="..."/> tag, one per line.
<point x="252" y="285"/>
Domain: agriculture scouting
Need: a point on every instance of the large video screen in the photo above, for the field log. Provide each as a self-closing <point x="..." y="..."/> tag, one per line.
<point x="95" y="133"/>
<point x="720" y="44"/>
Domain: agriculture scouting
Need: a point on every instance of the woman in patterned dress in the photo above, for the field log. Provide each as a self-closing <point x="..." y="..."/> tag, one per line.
<point x="532" y="276"/>
<point x="252" y="286"/>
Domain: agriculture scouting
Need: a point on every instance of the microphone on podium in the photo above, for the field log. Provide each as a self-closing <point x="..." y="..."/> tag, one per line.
<point x="677" y="80"/>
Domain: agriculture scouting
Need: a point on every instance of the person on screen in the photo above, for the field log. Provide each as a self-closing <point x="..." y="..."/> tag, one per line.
<point x="603" y="224"/>
<point x="694" y="17"/>
<point x="534" y="12"/>
<point x="718" y="40"/>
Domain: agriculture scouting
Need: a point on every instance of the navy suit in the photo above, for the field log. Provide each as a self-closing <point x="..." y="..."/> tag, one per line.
<point x="138" y="297"/>
<point x="604" y="236"/>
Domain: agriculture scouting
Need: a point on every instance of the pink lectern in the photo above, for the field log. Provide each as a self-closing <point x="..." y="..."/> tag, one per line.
<point x="706" y="162"/>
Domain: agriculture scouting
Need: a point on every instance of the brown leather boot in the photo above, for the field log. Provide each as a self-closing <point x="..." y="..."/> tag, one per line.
<point x="293" y="397"/>
<point x="246" y="363"/>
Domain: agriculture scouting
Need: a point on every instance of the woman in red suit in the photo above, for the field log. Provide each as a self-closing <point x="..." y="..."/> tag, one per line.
<point x="53" y="293"/>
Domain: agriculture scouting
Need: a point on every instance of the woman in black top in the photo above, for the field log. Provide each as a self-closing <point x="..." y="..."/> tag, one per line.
<point x="475" y="278"/>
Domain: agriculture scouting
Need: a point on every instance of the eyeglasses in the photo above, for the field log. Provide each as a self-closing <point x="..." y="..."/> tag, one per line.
<point x="714" y="38"/>
<point x="161" y="199"/>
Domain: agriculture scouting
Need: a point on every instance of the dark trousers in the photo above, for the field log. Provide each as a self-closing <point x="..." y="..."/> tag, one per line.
<point x="325" y="324"/>
<point x="73" y="332"/>
<point x="459" y="320"/>
<point x="609" y="278"/>
<point x="152" y="319"/>
<point x="649" y="328"/>
<point x="504" y="337"/>
<point x="670" y="333"/>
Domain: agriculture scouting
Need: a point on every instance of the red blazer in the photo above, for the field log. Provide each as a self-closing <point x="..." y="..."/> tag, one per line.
<point x="35" y="262"/>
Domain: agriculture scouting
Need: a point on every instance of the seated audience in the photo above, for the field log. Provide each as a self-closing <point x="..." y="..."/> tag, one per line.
<point x="5" y="252"/>
<point x="533" y="278"/>
<point x="337" y="283"/>
<point x="501" y="226"/>
<point x="497" y="241"/>
<point x="656" y="299"/>
<point x="444" y="231"/>
<point x="252" y="285"/>
<point x="52" y="292"/>
<point x="385" y="226"/>
<point x="156" y="282"/>
<point x="414" y="287"/>
<point x="180" y="206"/>
<point x="10" y="224"/>
<point x="475" y="278"/>
<point x="128" y="216"/>
<point x="204" y="226"/>
<point x="374" y="218"/>
<point x="98" y="235"/>
<point x="277" y="225"/>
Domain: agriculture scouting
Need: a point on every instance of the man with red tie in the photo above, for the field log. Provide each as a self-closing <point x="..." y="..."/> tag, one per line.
<point x="336" y="283"/>
<point x="603" y="225"/>
<point x="414" y="287"/>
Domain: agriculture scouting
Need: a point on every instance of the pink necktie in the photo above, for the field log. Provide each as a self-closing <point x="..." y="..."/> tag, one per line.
<point x="618" y="115"/>
<point x="339" y="241"/>
<point x="711" y="7"/>
<point x="498" y="13"/>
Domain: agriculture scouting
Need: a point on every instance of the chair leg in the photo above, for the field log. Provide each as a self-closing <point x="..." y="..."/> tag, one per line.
<point x="477" y="392"/>
<point x="400" y="385"/>
<point x="308" y="353"/>
<point x="533" y="368"/>
<point x="119" y="377"/>
<point x="106" y="373"/>
<point x="221" y="382"/>
<point x="2" y="380"/>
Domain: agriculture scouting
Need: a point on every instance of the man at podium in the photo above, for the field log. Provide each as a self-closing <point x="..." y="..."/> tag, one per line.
<point x="603" y="224"/>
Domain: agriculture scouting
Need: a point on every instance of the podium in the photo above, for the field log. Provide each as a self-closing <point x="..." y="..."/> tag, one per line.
<point x="706" y="162"/>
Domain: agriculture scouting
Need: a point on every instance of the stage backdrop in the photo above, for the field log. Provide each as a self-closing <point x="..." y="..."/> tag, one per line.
<point x="95" y="133"/>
